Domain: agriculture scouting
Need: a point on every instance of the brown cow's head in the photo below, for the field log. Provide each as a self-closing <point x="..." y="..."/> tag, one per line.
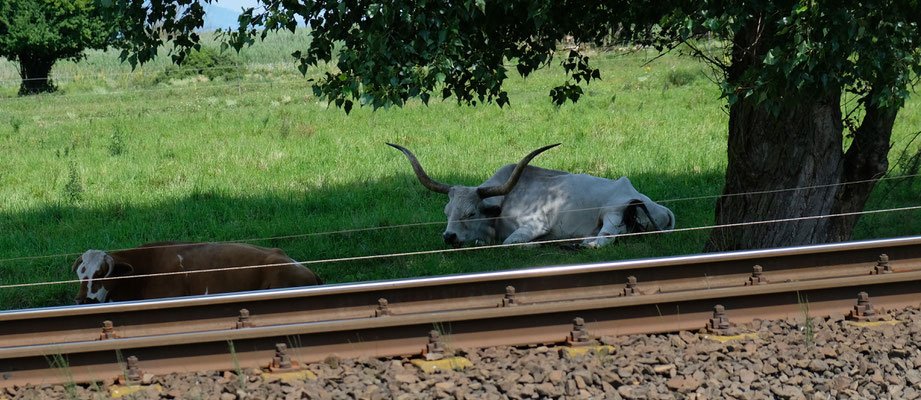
<point x="93" y="265"/>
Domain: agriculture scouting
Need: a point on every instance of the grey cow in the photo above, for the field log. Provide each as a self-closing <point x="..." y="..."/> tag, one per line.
<point x="522" y="203"/>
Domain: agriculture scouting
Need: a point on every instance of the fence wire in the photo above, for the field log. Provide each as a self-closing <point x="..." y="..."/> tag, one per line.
<point x="289" y="66"/>
<point x="464" y="249"/>
<point x="418" y="224"/>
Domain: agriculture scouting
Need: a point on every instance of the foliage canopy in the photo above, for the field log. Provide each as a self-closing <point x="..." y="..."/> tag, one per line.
<point x="387" y="52"/>
<point x="37" y="33"/>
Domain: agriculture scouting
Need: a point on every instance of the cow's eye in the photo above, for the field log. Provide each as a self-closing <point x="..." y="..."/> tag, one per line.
<point x="470" y="215"/>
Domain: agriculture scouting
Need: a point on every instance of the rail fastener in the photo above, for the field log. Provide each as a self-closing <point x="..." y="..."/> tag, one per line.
<point x="435" y="348"/>
<point x="132" y="380"/>
<point x="579" y="336"/>
<point x="718" y="324"/>
<point x="108" y="331"/>
<point x="630" y="289"/>
<point x="510" y="298"/>
<point x="757" y="277"/>
<point x="244" y="321"/>
<point x="282" y="361"/>
<point x="882" y="265"/>
<point x="864" y="311"/>
<point x="383" y="308"/>
<point x="133" y="374"/>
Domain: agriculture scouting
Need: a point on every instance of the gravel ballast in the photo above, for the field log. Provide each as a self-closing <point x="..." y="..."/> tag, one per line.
<point x="787" y="359"/>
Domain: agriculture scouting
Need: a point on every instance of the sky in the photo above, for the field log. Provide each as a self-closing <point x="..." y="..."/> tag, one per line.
<point x="222" y="14"/>
<point x="220" y="17"/>
<point x="235" y="5"/>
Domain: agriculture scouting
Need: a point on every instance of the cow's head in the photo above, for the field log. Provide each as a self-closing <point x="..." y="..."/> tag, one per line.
<point x="90" y="267"/>
<point x="647" y="216"/>
<point x="470" y="216"/>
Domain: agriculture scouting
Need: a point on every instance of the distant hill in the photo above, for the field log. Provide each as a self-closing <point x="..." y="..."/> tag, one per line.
<point x="217" y="17"/>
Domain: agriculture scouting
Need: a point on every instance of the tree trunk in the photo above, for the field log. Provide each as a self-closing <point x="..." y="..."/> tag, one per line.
<point x="794" y="166"/>
<point x="767" y="155"/>
<point x="866" y="159"/>
<point x="36" y="74"/>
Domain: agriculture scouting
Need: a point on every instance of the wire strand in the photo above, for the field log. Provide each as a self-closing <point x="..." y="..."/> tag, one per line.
<point x="288" y="66"/>
<point x="143" y="71"/>
<point x="416" y="224"/>
<point x="210" y="85"/>
<point x="460" y="249"/>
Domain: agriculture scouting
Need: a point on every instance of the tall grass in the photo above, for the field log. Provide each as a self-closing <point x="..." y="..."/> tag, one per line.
<point x="108" y="167"/>
<point x="59" y="362"/>
<point x="808" y="329"/>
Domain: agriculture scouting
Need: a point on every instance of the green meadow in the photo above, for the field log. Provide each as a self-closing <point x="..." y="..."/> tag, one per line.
<point x="118" y="158"/>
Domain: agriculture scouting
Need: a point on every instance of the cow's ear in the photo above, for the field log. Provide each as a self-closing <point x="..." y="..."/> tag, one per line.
<point x="491" y="210"/>
<point x="77" y="264"/>
<point x="640" y="217"/>
<point x="122" y="269"/>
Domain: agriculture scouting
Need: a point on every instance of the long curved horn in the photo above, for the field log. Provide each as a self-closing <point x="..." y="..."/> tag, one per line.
<point x="429" y="183"/>
<point x="502" y="190"/>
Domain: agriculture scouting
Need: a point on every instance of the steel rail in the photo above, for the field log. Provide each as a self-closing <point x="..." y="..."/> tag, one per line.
<point x="386" y="336"/>
<point x="457" y="292"/>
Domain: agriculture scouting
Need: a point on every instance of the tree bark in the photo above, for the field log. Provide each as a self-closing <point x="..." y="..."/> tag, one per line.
<point x="866" y="159"/>
<point x="36" y="74"/>
<point x="780" y="168"/>
<point x="794" y="166"/>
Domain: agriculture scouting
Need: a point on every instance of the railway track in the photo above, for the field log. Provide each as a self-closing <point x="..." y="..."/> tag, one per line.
<point x="395" y="318"/>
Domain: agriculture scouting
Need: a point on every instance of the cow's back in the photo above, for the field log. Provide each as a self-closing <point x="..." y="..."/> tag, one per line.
<point x="238" y="267"/>
<point x="242" y="267"/>
<point x="151" y="259"/>
<point x="529" y="175"/>
<point x="571" y="205"/>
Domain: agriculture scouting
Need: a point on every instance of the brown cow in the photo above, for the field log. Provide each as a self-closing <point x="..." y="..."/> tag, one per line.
<point x="163" y="257"/>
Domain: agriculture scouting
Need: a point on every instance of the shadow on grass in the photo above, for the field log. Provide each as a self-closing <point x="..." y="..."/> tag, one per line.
<point x="299" y="221"/>
<point x="360" y="219"/>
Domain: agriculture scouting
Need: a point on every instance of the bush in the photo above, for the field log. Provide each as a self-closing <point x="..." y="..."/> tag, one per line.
<point x="206" y="62"/>
<point x="680" y="77"/>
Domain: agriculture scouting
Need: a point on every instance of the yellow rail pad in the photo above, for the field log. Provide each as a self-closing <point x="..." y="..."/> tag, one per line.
<point x="724" y="339"/>
<point x="872" y="323"/>
<point x="575" y="351"/>
<point x="303" y="374"/>
<point x="450" y="363"/>
<point x="117" y="391"/>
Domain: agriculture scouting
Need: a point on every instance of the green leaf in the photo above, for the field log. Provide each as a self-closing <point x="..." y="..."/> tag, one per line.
<point x="440" y="77"/>
<point x="769" y="58"/>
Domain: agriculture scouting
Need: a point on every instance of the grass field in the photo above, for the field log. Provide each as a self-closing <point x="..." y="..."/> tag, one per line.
<point x="115" y="160"/>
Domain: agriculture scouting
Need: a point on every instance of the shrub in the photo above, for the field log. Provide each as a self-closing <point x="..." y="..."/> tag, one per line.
<point x="73" y="189"/>
<point x="206" y="62"/>
<point x="680" y="77"/>
<point x="116" y="143"/>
